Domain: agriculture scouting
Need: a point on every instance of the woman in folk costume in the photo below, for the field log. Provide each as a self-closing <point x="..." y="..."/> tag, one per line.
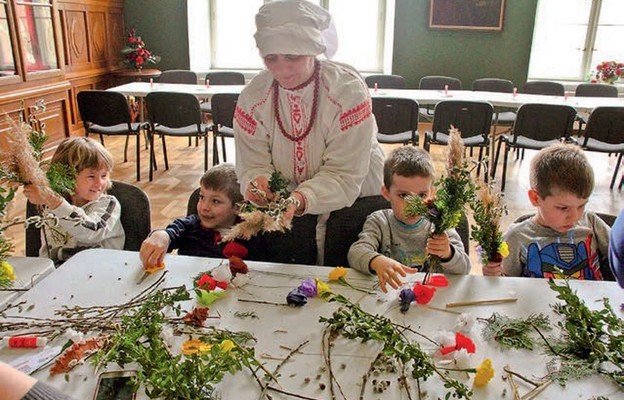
<point x="309" y="119"/>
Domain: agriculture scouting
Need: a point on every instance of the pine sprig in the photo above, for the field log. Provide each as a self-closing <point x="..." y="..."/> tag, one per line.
<point x="62" y="178"/>
<point x="488" y="208"/>
<point x="514" y="332"/>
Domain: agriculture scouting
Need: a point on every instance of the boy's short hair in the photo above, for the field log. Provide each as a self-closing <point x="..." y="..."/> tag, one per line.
<point x="561" y="167"/>
<point x="82" y="153"/>
<point x="223" y="178"/>
<point x="407" y="161"/>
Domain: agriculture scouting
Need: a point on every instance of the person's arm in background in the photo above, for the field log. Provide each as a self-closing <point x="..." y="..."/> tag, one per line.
<point x="15" y="385"/>
<point x="616" y="249"/>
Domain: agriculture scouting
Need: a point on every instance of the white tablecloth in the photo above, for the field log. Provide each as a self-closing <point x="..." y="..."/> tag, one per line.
<point x="28" y="271"/>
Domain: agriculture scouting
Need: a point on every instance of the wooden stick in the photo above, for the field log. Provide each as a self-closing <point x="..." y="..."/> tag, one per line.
<point x="482" y="302"/>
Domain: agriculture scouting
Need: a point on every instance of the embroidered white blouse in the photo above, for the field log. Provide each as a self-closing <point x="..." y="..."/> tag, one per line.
<point x="336" y="163"/>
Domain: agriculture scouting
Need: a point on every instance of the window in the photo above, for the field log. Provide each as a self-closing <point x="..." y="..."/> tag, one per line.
<point x="34" y="20"/>
<point x="221" y="33"/>
<point x="7" y="61"/>
<point x="572" y="36"/>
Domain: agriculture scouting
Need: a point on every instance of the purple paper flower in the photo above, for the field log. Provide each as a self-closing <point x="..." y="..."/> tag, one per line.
<point x="433" y="213"/>
<point x="308" y="287"/>
<point x="296" y="298"/>
<point x="405" y="298"/>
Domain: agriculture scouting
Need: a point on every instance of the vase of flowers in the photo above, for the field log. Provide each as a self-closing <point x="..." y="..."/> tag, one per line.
<point x="136" y="55"/>
<point x="608" y="72"/>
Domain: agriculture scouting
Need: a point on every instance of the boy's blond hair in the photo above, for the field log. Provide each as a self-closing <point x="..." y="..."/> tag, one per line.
<point x="407" y="161"/>
<point x="562" y="167"/>
<point x="223" y="178"/>
<point x="82" y="153"/>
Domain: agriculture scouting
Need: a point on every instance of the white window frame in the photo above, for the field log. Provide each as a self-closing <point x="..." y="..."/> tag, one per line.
<point x="202" y="36"/>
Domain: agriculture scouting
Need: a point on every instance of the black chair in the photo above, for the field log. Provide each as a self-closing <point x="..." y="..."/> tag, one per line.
<point x="174" y="114"/>
<point x="548" y="88"/>
<point x="385" y="81"/>
<point x="221" y="78"/>
<point x="135" y="218"/>
<point x="537" y="126"/>
<point x="223" y="107"/>
<point x="604" y="133"/>
<point x="108" y="113"/>
<point x="592" y="90"/>
<point x="504" y="118"/>
<point x="397" y="120"/>
<point x="472" y="118"/>
<point x="178" y="76"/>
<point x="435" y="82"/>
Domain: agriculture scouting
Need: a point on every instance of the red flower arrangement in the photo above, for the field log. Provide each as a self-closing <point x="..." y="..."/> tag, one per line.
<point x="608" y="72"/>
<point x="135" y="54"/>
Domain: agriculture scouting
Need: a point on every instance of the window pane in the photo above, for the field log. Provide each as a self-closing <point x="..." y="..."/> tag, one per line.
<point x="7" y="62"/>
<point x="358" y="23"/>
<point x="233" y="29"/>
<point x="609" y="45"/>
<point x="37" y="35"/>
<point x="559" y="39"/>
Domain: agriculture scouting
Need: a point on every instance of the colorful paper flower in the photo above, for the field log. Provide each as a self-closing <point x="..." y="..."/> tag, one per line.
<point x="461" y="342"/>
<point x="7" y="275"/>
<point x="485" y="372"/>
<point x="222" y="273"/>
<point x="424" y="294"/>
<point x="237" y="266"/>
<point x="227" y="345"/>
<point x="406" y="296"/>
<point x="503" y="249"/>
<point x="308" y="287"/>
<point x="296" y="298"/>
<point x="135" y="54"/>
<point x="197" y="317"/>
<point x="437" y="281"/>
<point x="337" y="273"/>
<point x="194" y="346"/>
<point x="207" y="297"/>
<point x="150" y="269"/>
<point x="322" y="288"/>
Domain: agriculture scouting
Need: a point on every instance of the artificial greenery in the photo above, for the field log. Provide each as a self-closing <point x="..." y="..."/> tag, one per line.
<point x="591" y="340"/>
<point x="488" y="209"/>
<point x="354" y="323"/>
<point x="514" y="332"/>
<point x="279" y="185"/>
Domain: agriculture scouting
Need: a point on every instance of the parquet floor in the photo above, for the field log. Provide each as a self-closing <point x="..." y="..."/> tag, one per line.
<point x="169" y="190"/>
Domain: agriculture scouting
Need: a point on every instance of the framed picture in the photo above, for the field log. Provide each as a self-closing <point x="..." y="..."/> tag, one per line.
<point x="481" y="15"/>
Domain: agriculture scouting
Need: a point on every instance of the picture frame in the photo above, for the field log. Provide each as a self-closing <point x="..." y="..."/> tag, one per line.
<point x="479" y="15"/>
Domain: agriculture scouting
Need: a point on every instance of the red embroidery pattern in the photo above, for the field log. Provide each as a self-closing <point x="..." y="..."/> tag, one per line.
<point x="300" y="161"/>
<point x="355" y="115"/>
<point x="245" y="121"/>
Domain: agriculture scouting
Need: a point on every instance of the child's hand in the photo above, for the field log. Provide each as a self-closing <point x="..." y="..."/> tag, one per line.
<point x="439" y="245"/>
<point x="493" y="269"/>
<point x="154" y="248"/>
<point x="42" y="196"/>
<point x="389" y="272"/>
<point x="255" y="190"/>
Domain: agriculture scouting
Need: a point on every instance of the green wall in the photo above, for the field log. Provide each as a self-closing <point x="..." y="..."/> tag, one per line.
<point x="163" y="27"/>
<point x="467" y="55"/>
<point x="418" y="50"/>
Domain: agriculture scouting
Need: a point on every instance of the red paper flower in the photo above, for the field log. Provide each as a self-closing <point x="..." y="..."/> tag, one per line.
<point x="135" y="54"/>
<point x="206" y="282"/>
<point x="437" y="280"/>
<point x="424" y="294"/>
<point x="461" y="342"/>
<point x="238" y="266"/>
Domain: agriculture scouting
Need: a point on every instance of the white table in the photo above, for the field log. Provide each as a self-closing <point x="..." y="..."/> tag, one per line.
<point x="28" y="271"/>
<point x="142" y="89"/>
<point x="109" y="277"/>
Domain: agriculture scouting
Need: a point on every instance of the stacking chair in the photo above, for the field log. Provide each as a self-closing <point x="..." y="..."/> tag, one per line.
<point x="178" y="76"/>
<point x="174" y="114"/>
<point x="385" y="81"/>
<point x="537" y="126"/>
<point x="223" y="107"/>
<point x="505" y="118"/>
<point x="397" y="120"/>
<point x="434" y="82"/>
<point x="135" y="218"/>
<point x="592" y="90"/>
<point x="221" y="78"/>
<point x="548" y="88"/>
<point x="472" y="118"/>
<point x="604" y="133"/>
<point x="108" y="113"/>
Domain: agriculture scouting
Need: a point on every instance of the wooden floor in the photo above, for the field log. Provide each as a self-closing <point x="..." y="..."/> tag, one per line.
<point x="170" y="189"/>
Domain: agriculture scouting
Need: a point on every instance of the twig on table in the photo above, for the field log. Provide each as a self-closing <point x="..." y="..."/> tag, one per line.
<point x="482" y="302"/>
<point x="442" y="309"/>
<point x="365" y="376"/>
<point x="262" y="302"/>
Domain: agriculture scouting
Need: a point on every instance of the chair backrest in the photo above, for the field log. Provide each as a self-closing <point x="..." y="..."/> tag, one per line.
<point x="493" y="85"/>
<point x="344" y="226"/>
<point x="173" y="110"/>
<point x="178" y="76"/>
<point x="471" y="118"/>
<point x="385" y="81"/>
<point x="434" y="82"/>
<point x="135" y="218"/>
<point x="606" y="124"/>
<point x="223" y="106"/>
<point x="395" y="115"/>
<point x="225" y="78"/>
<point x="549" y="88"/>
<point x="102" y="107"/>
<point x="544" y="122"/>
<point x="596" y="90"/>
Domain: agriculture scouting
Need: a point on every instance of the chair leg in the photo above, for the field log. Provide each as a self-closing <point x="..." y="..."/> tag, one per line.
<point x="165" y="152"/>
<point x="189" y="140"/>
<point x="493" y="167"/>
<point x="138" y="155"/>
<point x="617" y="168"/>
<point x="223" y="148"/>
<point x="505" y="168"/>
<point x="426" y="144"/>
<point x="480" y="160"/>
<point x="152" y="158"/>
<point x="215" y="151"/>
<point x="102" y="139"/>
<point x="205" y="151"/>
<point x="522" y="154"/>
<point x="126" y="148"/>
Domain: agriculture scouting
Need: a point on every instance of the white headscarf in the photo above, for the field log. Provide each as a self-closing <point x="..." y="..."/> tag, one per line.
<point x="295" y="27"/>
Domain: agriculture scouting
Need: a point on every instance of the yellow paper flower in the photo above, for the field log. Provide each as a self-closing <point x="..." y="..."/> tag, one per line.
<point x="6" y="271"/>
<point x="503" y="249"/>
<point x="194" y="346"/>
<point x="337" y="273"/>
<point x="154" y="268"/>
<point x="227" y="345"/>
<point x="321" y="288"/>
<point x="484" y="374"/>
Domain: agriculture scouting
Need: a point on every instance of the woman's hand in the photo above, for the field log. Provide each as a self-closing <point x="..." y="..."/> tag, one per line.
<point x="258" y="191"/>
<point x="42" y="196"/>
